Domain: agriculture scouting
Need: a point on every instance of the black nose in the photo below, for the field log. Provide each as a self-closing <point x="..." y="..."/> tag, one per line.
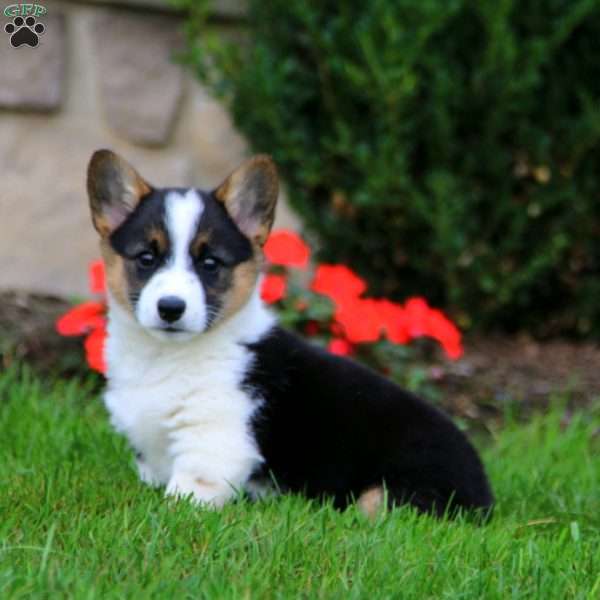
<point x="170" y="308"/>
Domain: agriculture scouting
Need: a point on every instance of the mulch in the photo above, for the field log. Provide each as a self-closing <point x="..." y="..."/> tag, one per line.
<point x="500" y="373"/>
<point x="27" y="334"/>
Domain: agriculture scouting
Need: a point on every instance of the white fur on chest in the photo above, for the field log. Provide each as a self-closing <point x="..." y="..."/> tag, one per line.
<point x="182" y="405"/>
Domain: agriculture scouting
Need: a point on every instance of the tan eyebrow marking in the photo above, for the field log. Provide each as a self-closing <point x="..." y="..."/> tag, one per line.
<point x="200" y="240"/>
<point x="158" y="236"/>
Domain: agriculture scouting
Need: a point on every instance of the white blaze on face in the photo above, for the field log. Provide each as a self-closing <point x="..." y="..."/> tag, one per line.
<point x="177" y="277"/>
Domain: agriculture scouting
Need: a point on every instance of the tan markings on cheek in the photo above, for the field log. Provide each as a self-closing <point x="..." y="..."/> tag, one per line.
<point x="370" y="502"/>
<point x="242" y="284"/>
<point x="158" y="236"/>
<point x="116" y="279"/>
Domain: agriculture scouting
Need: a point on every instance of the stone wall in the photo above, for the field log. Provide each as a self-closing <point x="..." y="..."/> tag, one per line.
<point x="101" y="76"/>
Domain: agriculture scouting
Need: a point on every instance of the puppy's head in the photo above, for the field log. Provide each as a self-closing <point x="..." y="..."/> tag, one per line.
<point x="181" y="260"/>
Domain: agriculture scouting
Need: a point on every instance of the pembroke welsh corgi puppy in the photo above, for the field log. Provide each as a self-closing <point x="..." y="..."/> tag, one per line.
<point x="214" y="397"/>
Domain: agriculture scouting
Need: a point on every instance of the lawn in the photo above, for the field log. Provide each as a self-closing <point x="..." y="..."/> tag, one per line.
<point x="76" y="523"/>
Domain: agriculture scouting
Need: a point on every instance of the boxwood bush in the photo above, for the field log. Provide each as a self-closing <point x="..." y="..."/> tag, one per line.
<point x="448" y="148"/>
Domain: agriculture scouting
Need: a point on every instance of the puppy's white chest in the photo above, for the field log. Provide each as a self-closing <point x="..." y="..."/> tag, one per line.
<point x="205" y="415"/>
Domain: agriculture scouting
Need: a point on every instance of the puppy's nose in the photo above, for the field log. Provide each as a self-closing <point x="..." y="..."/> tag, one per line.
<point x="170" y="308"/>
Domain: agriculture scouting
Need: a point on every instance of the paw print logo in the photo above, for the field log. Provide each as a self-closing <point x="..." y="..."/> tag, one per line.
<point x="24" y="31"/>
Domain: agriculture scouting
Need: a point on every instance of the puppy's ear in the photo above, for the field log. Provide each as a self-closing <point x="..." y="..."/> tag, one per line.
<point x="114" y="190"/>
<point x="249" y="195"/>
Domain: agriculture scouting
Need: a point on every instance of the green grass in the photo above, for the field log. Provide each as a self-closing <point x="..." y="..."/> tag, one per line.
<point x="76" y="523"/>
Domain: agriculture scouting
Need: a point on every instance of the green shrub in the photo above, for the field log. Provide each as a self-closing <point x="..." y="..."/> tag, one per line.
<point x="440" y="147"/>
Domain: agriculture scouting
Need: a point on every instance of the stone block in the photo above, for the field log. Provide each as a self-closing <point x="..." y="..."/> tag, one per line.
<point x="140" y="85"/>
<point x="33" y="79"/>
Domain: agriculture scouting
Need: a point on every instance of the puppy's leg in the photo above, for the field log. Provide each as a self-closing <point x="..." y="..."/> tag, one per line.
<point x="146" y="473"/>
<point x="210" y="466"/>
<point x="372" y="501"/>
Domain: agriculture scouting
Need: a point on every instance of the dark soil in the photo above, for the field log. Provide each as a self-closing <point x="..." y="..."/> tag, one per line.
<point x="27" y="334"/>
<point x="519" y="374"/>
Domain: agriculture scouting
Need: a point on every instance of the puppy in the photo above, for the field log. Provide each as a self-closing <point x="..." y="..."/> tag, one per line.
<point x="216" y="398"/>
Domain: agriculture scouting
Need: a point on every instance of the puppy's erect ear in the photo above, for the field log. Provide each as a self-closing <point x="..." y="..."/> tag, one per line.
<point x="249" y="195"/>
<point x="114" y="190"/>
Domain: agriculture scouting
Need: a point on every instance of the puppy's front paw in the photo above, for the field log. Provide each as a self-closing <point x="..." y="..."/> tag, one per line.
<point x="146" y="474"/>
<point x="213" y="495"/>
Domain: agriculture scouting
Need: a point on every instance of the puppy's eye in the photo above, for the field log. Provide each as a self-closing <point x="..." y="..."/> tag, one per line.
<point x="210" y="264"/>
<point x="146" y="260"/>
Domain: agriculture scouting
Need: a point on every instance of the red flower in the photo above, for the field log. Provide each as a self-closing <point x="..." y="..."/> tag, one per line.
<point x="453" y="352"/>
<point x="337" y="282"/>
<point x="341" y="347"/>
<point x="273" y="288"/>
<point x="284" y="247"/>
<point x="88" y="318"/>
<point x="97" y="277"/>
<point x="445" y="332"/>
<point x="360" y="319"/>
<point x="82" y="319"/>
<point x="417" y="313"/>
<point x="394" y="321"/>
<point x="425" y="321"/>
<point x="94" y="349"/>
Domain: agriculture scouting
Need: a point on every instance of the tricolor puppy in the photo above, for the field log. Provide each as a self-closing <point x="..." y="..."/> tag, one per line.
<point x="214" y="397"/>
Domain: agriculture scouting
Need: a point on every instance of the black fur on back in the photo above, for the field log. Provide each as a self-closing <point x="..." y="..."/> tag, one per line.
<point x="329" y="427"/>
